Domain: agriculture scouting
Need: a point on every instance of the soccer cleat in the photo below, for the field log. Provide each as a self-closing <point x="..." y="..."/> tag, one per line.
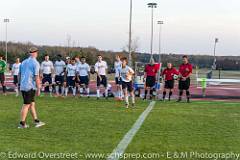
<point x="97" y="98"/>
<point x="23" y="126"/>
<point x="133" y="105"/>
<point x="188" y="100"/>
<point x="127" y="105"/>
<point x="39" y="124"/>
<point x="179" y="100"/>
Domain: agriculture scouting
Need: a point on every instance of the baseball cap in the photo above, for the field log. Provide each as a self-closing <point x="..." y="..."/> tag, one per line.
<point x="33" y="49"/>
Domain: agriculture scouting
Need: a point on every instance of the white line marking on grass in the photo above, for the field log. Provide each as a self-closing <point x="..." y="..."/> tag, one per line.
<point x="121" y="147"/>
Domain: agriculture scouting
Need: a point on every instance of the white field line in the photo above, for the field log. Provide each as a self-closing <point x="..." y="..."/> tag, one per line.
<point x="123" y="144"/>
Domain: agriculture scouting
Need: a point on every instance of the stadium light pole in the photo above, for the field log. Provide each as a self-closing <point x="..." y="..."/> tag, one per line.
<point x="160" y="23"/>
<point x="160" y="39"/>
<point x="214" y="53"/>
<point x="152" y="6"/>
<point x="6" y="21"/>
<point x="130" y="35"/>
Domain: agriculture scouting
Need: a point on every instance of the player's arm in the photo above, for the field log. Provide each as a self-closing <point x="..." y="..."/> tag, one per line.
<point x="52" y="69"/>
<point x="41" y="70"/>
<point x="190" y="72"/>
<point x="89" y="72"/>
<point x="37" y="78"/>
<point x="12" y="72"/>
<point x="106" y="68"/>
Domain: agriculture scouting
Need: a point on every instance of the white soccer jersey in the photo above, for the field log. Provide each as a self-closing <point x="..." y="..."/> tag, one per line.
<point x="59" y="67"/>
<point x="126" y="74"/>
<point x="47" y="67"/>
<point x="15" y="68"/>
<point x="71" y="70"/>
<point x="117" y="67"/>
<point x="101" y="67"/>
<point x="83" y="69"/>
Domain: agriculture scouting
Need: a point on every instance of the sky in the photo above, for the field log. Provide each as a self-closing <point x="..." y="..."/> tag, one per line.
<point x="190" y="26"/>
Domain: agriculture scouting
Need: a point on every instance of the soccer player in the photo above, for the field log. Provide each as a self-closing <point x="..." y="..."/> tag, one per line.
<point x="150" y="74"/>
<point x="185" y="71"/>
<point x="59" y="67"/>
<point x="3" y="67"/>
<point x="168" y="75"/>
<point x="47" y="70"/>
<point x="71" y="72"/>
<point x="118" y="80"/>
<point x="126" y="74"/>
<point x="83" y="71"/>
<point x="101" y="71"/>
<point x="29" y="84"/>
<point x="15" y="73"/>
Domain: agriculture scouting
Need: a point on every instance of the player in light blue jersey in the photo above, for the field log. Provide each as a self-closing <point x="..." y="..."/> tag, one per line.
<point x="29" y="84"/>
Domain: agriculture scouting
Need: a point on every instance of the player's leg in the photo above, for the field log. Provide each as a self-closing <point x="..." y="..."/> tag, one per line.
<point x="67" y="86"/>
<point x="74" y="89"/>
<point x="187" y="89"/>
<point x="131" y="91"/>
<point x="164" y="93"/>
<point x="171" y="89"/>
<point x="2" y="79"/>
<point x="180" y="87"/>
<point x="50" y="81"/>
<point x="15" y="81"/>
<point x="105" y="84"/>
<point x="125" y="93"/>
<point x="57" y="84"/>
<point x="98" y="87"/>
<point x="24" y="111"/>
<point x="87" y="86"/>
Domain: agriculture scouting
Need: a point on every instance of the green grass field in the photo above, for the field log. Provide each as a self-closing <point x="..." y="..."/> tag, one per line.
<point x="88" y="126"/>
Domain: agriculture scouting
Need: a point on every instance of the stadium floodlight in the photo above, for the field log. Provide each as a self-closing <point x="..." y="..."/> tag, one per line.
<point x="130" y="36"/>
<point x="152" y="6"/>
<point x="6" y="21"/>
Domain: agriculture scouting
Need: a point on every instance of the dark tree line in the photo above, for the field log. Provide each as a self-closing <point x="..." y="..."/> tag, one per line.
<point x="202" y="61"/>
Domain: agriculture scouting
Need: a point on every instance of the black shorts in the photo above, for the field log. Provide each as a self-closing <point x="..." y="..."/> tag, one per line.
<point x="15" y="79"/>
<point x="150" y="81"/>
<point x="2" y="78"/>
<point x="59" y="80"/>
<point x="83" y="80"/>
<point x="127" y="85"/>
<point x="184" y="85"/>
<point x="71" y="80"/>
<point x="28" y="96"/>
<point x="118" y="81"/>
<point x="103" y="81"/>
<point x="47" y="78"/>
<point x="169" y="84"/>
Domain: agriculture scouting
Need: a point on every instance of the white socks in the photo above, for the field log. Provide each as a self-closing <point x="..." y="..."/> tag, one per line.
<point x="88" y="91"/>
<point x="106" y="92"/>
<point x="74" y="91"/>
<point x="98" y="93"/>
<point x="57" y="90"/>
<point x="16" y="90"/>
<point x="66" y="91"/>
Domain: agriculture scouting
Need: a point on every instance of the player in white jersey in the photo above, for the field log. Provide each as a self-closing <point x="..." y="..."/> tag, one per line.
<point x="59" y="68"/>
<point x="15" y="73"/>
<point x="126" y="74"/>
<point x="83" y="71"/>
<point x="101" y="71"/>
<point x="118" y="80"/>
<point x="47" y="71"/>
<point x="71" y="72"/>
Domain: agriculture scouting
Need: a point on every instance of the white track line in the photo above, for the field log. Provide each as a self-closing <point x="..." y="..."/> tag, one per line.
<point x="121" y="147"/>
